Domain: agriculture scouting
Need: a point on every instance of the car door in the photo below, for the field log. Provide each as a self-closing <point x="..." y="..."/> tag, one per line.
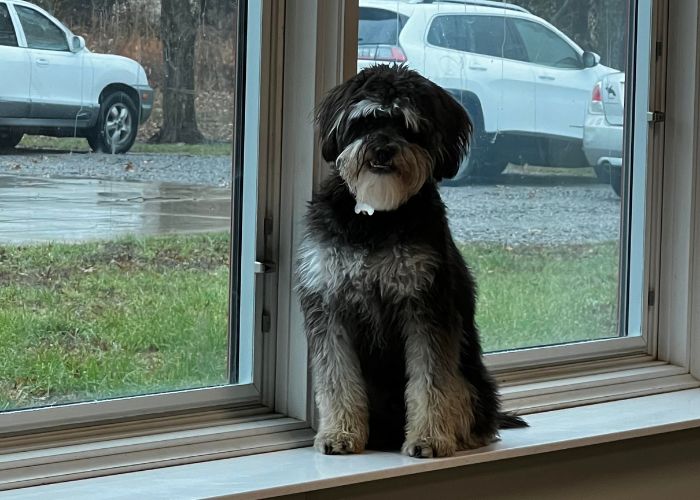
<point x="562" y="84"/>
<point x="481" y="59"/>
<point x="56" y="72"/>
<point x="14" y="91"/>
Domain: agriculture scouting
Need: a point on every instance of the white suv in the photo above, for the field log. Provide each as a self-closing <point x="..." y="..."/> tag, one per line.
<point x="525" y="84"/>
<point x="53" y="85"/>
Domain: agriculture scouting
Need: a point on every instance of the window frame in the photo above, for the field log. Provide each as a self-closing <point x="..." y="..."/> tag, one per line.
<point x="289" y="149"/>
<point x="641" y="341"/>
<point x="242" y="325"/>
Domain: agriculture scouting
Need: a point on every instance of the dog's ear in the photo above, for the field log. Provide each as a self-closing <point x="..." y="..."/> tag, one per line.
<point x="329" y="117"/>
<point x="454" y="132"/>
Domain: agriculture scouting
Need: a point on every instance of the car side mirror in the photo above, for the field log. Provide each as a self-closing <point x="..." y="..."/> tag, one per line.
<point x="77" y="43"/>
<point x="590" y="59"/>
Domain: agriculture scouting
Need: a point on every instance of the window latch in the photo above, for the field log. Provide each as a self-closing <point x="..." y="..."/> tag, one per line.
<point x="263" y="267"/>
<point x="656" y="116"/>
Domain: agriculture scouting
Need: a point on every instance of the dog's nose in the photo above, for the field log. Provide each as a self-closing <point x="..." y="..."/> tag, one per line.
<point x="384" y="154"/>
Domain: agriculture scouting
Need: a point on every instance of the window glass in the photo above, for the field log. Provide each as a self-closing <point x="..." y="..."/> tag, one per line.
<point x="116" y="213"/>
<point x="7" y="30"/>
<point x="535" y="207"/>
<point x="485" y="35"/>
<point x="39" y="31"/>
<point x="545" y="47"/>
<point x="379" y="27"/>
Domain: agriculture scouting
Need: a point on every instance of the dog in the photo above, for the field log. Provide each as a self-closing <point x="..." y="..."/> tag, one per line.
<point x="387" y="298"/>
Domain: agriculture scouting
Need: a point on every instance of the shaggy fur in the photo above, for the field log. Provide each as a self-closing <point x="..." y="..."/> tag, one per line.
<point x="388" y="301"/>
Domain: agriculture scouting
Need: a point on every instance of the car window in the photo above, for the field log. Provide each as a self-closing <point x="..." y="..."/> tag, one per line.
<point x="486" y="35"/>
<point x="543" y="46"/>
<point x="7" y="31"/>
<point x="380" y="27"/>
<point x="40" y="31"/>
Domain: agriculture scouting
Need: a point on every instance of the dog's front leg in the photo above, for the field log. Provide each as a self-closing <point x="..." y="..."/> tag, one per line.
<point x="438" y="401"/>
<point x="340" y="389"/>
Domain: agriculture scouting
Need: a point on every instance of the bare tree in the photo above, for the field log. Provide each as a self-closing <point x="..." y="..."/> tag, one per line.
<point x="179" y="20"/>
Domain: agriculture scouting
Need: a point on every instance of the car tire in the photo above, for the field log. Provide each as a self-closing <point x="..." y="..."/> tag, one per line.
<point x="9" y="140"/>
<point x="478" y="163"/>
<point x="117" y="125"/>
<point x="616" y="180"/>
<point x="602" y="172"/>
<point x="483" y="159"/>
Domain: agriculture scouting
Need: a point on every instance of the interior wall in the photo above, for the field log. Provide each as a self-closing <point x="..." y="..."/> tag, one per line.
<point x="665" y="467"/>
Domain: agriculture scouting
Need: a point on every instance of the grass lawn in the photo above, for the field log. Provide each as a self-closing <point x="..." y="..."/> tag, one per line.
<point x="530" y="296"/>
<point x="139" y="315"/>
<point x="81" y="145"/>
<point x="113" y="318"/>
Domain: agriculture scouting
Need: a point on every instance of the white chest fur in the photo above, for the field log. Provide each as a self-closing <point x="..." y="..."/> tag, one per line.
<point x="396" y="272"/>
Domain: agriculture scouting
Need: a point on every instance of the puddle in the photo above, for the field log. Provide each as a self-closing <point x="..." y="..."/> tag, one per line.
<point x="36" y="210"/>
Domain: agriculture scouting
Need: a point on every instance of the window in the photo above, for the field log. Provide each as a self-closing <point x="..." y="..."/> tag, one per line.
<point x="7" y="30"/>
<point x="123" y="248"/>
<point x="532" y="207"/>
<point x="545" y="47"/>
<point x="40" y="32"/>
<point x="485" y="35"/>
<point x="300" y="56"/>
<point x="379" y="35"/>
<point x="379" y="27"/>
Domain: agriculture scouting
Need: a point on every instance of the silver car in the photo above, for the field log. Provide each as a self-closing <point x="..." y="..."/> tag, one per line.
<point x="603" y="128"/>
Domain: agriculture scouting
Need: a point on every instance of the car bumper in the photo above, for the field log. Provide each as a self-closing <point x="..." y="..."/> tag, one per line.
<point x="601" y="140"/>
<point x="146" y="97"/>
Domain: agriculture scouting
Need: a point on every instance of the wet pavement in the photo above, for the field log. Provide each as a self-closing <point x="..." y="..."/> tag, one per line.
<point x="35" y="210"/>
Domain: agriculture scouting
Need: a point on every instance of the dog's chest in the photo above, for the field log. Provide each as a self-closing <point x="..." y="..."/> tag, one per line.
<point x="355" y="274"/>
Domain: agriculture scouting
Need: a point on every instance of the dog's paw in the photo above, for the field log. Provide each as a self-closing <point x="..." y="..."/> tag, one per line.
<point x="429" y="447"/>
<point x="339" y="443"/>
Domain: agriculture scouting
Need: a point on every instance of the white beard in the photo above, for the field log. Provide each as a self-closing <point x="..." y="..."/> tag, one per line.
<point x="387" y="191"/>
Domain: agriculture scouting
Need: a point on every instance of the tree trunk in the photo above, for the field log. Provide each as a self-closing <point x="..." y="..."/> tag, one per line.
<point x="179" y="20"/>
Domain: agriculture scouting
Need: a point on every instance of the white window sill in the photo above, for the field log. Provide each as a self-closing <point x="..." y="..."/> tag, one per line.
<point x="302" y="470"/>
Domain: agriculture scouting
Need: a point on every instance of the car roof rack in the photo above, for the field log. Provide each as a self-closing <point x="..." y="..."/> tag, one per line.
<point x="484" y="3"/>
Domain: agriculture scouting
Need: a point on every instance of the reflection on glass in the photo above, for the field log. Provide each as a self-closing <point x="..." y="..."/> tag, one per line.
<point x="531" y="207"/>
<point x="115" y="170"/>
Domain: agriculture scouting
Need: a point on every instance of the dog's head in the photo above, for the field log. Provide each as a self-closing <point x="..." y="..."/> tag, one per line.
<point x="388" y="130"/>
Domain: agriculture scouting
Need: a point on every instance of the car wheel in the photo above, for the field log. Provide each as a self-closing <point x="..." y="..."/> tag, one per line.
<point x="481" y="161"/>
<point x="602" y="172"/>
<point x="9" y="140"/>
<point x="117" y="125"/>
<point x="616" y="180"/>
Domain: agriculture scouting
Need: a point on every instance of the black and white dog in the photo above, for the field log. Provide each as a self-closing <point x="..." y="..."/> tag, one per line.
<point x="388" y="301"/>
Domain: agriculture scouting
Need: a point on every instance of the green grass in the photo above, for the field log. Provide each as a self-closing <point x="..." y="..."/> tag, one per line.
<point x="530" y="296"/>
<point x="115" y="318"/>
<point x="104" y="319"/>
<point x="81" y="145"/>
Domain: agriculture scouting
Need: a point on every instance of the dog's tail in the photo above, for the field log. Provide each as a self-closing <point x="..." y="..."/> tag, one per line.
<point x="507" y="420"/>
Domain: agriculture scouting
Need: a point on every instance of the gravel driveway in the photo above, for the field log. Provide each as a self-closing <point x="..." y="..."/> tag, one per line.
<point x="517" y="209"/>
<point x="518" y="214"/>
<point x="183" y="169"/>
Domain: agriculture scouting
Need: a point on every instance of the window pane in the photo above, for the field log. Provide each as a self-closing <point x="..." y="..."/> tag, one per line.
<point x="478" y="34"/>
<point x="378" y="26"/>
<point x="115" y="205"/>
<point x="535" y="207"/>
<point x="39" y="31"/>
<point x="544" y="46"/>
<point x="7" y="30"/>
